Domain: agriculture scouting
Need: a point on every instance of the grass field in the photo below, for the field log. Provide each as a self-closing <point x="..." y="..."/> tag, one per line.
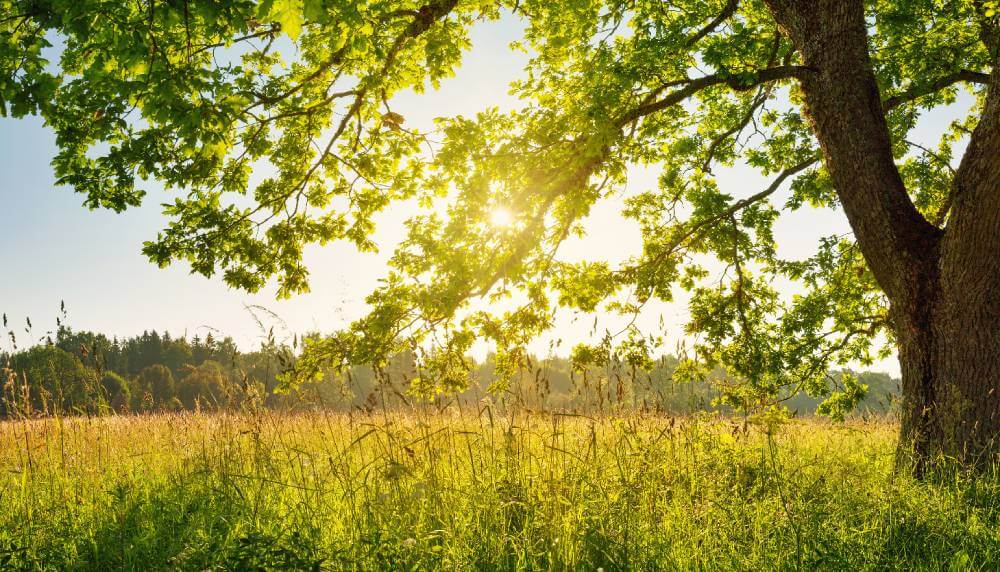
<point x="426" y="490"/>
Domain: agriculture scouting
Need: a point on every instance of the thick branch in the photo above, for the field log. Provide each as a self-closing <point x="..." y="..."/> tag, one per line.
<point x="693" y="86"/>
<point x="848" y="118"/>
<point x="918" y="91"/>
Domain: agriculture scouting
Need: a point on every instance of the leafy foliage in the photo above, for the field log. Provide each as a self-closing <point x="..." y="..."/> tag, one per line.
<point x="200" y="96"/>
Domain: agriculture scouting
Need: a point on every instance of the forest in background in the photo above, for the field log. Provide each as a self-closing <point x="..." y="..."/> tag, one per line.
<point x="81" y="372"/>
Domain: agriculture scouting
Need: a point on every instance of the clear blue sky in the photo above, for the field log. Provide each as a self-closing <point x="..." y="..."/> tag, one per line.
<point x="55" y="250"/>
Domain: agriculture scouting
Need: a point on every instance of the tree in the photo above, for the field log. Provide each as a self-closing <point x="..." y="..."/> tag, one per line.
<point x="820" y="95"/>
<point x="155" y="386"/>
<point x="204" y="386"/>
<point x="176" y="354"/>
<point x="95" y="351"/>
<point x="146" y="351"/>
<point x="57" y="381"/>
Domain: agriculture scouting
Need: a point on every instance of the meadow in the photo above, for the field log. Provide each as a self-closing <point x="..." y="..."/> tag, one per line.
<point x="477" y="488"/>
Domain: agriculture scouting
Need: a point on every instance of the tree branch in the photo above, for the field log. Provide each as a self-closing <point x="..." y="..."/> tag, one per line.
<point x="916" y="92"/>
<point x="706" y="165"/>
<point x="738" y="82"/>
<point x="726" y="13"/>
<point x="729" y="211"/>
<point x="425" y="18"/>
<point x="847" y="116"/>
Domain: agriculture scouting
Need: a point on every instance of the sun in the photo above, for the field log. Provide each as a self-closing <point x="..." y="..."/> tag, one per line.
<point x="501" y="217"/>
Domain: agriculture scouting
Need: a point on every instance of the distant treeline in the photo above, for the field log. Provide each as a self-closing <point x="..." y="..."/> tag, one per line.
<point x="88" y="373"/>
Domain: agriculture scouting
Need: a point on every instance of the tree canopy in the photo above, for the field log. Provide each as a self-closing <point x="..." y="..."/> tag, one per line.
<point x="199" y="96"/>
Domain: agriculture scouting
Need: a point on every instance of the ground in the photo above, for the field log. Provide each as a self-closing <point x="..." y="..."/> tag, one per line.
<point x="478" y="489"/>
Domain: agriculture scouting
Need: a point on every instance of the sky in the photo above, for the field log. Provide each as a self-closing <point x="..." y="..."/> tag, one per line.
<point x="54" y="250"/>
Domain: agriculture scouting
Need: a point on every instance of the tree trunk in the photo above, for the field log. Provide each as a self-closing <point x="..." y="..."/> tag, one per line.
<point x="949" y="356"/>
<point x="943" y="285"/>
<point x="956" y="413"/>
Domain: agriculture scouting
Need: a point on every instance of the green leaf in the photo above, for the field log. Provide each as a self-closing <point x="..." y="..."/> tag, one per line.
<point x="288" y="13"/>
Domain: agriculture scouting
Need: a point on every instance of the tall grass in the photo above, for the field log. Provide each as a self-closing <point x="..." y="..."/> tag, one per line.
<point x="420" y="489"/>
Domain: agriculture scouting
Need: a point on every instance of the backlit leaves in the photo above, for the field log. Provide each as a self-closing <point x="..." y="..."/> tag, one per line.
<point x="271" y="122"/>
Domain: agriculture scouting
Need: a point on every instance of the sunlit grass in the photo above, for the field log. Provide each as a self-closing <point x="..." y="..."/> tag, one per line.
<point x="484" y="490"/>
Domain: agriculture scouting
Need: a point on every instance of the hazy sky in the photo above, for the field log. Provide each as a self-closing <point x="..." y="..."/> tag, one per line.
<point x="55" y="250"/>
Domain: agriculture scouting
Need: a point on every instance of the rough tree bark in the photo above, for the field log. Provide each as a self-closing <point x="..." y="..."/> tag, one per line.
<point x="943" y="285"/>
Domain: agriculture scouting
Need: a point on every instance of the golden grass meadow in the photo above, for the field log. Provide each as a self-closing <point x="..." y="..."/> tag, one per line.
<point x="477" y="487"/>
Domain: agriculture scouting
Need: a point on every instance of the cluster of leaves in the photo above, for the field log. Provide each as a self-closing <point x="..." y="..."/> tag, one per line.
<point x="201" y="95"/>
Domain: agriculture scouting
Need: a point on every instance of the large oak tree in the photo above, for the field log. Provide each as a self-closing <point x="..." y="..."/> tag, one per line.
<point x="820" y="95"/>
